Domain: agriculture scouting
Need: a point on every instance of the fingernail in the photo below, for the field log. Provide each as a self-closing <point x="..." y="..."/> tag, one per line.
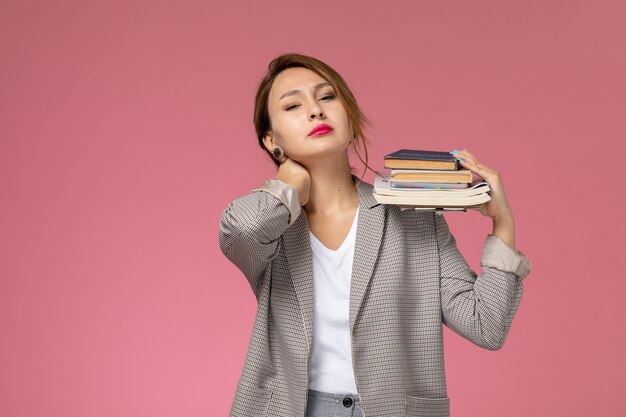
<point x="462" y="160"/>
<point x="454" y="151"/>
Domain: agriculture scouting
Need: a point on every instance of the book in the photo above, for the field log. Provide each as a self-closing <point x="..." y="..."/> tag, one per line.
<point x="471" y="197"/>
<point x="383" y="185"/>
<point x="430" y="185"/>
<point x="405" y="175"/>
<point x="433" y="202"/>
<point x="421" y="159"/>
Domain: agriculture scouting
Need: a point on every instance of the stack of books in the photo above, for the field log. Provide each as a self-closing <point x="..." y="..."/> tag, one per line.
<point x="430" y="180"/>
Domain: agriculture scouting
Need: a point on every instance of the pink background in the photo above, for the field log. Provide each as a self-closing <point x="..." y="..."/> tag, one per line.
<point x="126" y="129"/>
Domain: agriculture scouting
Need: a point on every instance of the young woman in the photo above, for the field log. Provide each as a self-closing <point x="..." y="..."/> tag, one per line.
<point x="352" y="294"/>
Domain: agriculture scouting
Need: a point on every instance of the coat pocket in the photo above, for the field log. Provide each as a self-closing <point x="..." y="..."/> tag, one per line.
<point x="427" y="407"/>
<point x="250" y="401"/>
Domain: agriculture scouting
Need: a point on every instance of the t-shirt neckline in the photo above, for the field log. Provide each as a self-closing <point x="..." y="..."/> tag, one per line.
<point x="344" y="244"/>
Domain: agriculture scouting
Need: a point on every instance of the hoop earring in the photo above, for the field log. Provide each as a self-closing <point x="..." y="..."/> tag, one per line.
<point x="278" y="153"/>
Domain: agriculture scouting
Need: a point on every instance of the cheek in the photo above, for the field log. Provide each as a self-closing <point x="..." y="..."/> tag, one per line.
<point x="344" y="116"/>
<point x="346" y="122"/>
<point x="285" y="126"/>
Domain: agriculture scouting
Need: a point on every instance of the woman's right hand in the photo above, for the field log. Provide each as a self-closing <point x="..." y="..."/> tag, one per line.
<point x="292" y="173"/>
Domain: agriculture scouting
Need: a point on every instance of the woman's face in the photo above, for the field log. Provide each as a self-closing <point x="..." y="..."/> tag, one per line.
<point x="300" y="100"/>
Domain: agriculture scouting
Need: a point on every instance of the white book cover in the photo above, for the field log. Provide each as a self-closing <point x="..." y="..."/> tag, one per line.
<point x="382" y="186"/>
<point x="472" y="197"/>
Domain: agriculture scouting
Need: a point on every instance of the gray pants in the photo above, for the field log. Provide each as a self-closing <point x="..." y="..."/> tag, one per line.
<point x="324" y="404"/>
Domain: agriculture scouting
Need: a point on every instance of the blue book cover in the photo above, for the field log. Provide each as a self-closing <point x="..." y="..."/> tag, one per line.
<point x="421" y="159"/>
<point x="421" y="155"/>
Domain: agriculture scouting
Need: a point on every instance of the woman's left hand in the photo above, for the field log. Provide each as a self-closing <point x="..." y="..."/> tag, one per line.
<point x="498" y="206"/>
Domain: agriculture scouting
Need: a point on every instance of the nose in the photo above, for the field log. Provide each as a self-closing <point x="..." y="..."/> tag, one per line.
<point x="315" y="111"/>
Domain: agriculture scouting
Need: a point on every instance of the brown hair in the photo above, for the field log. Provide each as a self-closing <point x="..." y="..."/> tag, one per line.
<point x="291" y="60"/>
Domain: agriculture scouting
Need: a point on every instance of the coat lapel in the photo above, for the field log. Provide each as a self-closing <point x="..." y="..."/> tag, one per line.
<point x="370" y="227"/>
<point x="298" y="252"/>
<point x="369" y="234"/>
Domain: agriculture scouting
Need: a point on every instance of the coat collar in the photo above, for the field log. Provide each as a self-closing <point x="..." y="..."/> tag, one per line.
<point x="365" y="190"/>
<point x="296" y="238"/>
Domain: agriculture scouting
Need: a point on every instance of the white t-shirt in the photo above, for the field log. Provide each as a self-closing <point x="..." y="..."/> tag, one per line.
<point x="331" y="356"/>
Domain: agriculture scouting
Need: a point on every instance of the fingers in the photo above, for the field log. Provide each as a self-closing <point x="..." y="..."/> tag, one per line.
<point x="469" y="161"/>
<point x="466" y="156"/>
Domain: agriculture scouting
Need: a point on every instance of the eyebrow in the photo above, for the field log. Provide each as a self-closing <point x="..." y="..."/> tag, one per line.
<point x="292" y="92"/>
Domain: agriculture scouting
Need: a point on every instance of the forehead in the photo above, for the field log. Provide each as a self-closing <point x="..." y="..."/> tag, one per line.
<point x="294" y="79"/>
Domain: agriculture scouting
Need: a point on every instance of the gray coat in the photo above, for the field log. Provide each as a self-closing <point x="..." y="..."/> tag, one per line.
<point x="408" y="279"/>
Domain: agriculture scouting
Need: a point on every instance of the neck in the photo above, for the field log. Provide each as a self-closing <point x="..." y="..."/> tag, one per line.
<point x="332" y="188"/>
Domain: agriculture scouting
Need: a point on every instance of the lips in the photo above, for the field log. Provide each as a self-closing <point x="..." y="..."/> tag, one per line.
<point x="320" y="130"/>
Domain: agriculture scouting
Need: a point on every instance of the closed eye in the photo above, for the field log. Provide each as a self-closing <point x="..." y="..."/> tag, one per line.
<point x="326" y="98"/>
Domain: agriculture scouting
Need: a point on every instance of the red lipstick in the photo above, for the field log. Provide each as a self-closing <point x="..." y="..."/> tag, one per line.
<point x="320" y="129"/>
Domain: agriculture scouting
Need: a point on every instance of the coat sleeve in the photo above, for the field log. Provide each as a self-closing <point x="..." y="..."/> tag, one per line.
<point x="480" y="307"/>
<point x="250" y="227"/>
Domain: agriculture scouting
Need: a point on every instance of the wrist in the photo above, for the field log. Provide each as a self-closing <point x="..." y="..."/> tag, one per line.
<point x="504" y="216"/>
<point x="301" y="186"/>
<point x="299" y="183"/>
<point x="504" y="228"/>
